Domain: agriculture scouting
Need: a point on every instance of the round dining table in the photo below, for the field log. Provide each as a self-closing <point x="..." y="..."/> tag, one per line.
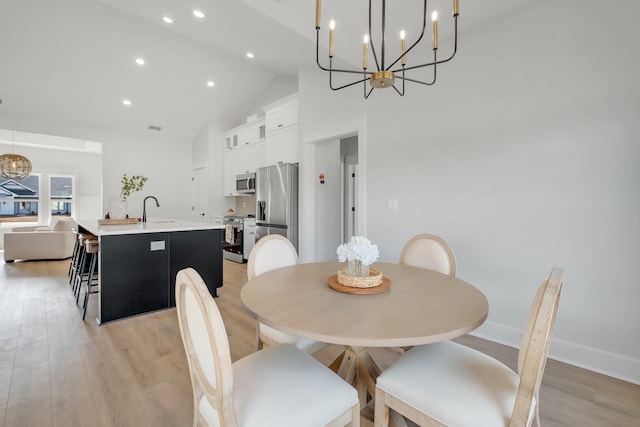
<point x="419" y="307"/>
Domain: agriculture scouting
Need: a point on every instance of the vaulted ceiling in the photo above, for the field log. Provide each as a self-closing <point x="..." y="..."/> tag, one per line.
<point x="73" y="61"/>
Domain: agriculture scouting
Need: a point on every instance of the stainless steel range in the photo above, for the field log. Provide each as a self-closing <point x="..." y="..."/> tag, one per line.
<point x="232" y="243"/>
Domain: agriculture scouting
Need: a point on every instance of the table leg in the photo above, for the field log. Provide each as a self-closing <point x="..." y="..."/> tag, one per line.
<point x="358" y="368"/>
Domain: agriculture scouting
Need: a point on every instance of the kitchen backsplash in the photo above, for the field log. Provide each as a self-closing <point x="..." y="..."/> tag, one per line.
<point x="246" y="205"/>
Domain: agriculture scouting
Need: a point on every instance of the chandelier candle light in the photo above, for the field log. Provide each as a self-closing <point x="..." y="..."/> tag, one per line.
<point x="385" y="75"/>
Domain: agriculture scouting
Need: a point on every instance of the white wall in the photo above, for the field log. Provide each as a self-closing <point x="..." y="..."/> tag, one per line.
<point x="327" y="200"/>
<point x="523" y="157"/>
<point x="166" y="163"/>
<point x="167" y="166"/>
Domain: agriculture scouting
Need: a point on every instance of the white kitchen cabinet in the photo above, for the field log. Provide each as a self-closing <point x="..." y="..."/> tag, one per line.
<point x="248" y="158"/>
<point x="281" y="114"/>
<point x="230" y="140"/>
<point x="251" y="133"/>
<point x="249" y="236"/>
<point x="262" y="142"/>
<point x="230" y="172"/>
<point x="244" y="135"/>
<point x="282" y="146"/>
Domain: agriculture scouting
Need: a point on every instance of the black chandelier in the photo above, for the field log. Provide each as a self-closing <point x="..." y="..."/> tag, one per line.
<point x="385" y="75"/>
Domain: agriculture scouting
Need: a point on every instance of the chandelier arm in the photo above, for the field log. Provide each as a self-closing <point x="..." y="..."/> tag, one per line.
<point x="318" y="50"/>
<point x="373" y="48"/>
<point x="384" y="20"/>
<point x="403" y="80"/>
<point x="417" y="81"/>
<point x="349" y="84"/>
<point x="369" y="93"/>
<point x="455" y="50"/>
<point x="424" y="25"/>
<point x="435" y="53"/>
<point x="364" y="87"/>
<point x="343" y="86"/>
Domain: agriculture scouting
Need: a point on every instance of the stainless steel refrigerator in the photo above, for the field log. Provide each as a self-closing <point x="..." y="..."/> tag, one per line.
<point x="277" y="201"/>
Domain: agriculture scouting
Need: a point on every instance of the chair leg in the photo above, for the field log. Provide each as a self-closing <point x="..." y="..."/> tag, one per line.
<point x="258" y="342"/>
<point x="73" y="257"/>
<point x="80" y="274"/>
<point x="92" y="272"/>
<point x="355" y="416"/>
<point x="381" y="410"/>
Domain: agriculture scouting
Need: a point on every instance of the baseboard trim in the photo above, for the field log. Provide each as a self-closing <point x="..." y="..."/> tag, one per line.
<point x="610" y="364"/>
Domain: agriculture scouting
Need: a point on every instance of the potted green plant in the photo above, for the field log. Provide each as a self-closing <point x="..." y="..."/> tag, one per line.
<point x="118" y="205"/>
<point x="131" y="185"/>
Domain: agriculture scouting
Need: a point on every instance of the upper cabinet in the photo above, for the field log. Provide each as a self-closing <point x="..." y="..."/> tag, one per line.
<point x="281" y="119"/>
<point x="244" y="135"/>
<point x="271" y="139"/>
<point x="281" y="114"/>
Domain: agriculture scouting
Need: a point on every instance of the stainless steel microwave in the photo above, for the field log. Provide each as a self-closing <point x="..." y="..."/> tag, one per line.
<point x="246" y="183"/>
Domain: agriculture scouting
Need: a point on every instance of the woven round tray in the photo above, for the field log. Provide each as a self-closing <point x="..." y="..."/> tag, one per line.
<point x="374" y="279"/>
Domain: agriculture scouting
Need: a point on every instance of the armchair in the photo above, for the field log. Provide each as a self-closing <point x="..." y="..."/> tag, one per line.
<point x="35" y="243"/>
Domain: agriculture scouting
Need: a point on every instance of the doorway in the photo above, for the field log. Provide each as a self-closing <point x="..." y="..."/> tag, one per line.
<point x="199" y="194"/>
<point x="332" y="196"/>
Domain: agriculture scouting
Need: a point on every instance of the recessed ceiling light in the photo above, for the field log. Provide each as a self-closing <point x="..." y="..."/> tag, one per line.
<point x="198" y="14"/>
<point x="139" y="61"/>
<point x="126" y="102"/>
<point x="250" y="55"/>
<point x="167" y="20"/>
<point x="210" y="83"/>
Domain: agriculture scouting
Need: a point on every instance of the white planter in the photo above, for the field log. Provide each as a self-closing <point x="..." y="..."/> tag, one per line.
<point x="117" y="208"/>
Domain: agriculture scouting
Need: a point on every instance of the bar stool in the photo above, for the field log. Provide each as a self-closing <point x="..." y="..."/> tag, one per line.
<point x="82" y="268"/>
<point x="92" y="248"/>
<point x="73" y="264"/>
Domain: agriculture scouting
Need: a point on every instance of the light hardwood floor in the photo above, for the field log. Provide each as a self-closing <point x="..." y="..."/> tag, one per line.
<point x="56" y="370"/>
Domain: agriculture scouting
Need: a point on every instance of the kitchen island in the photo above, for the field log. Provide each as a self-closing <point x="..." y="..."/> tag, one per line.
<point x="138" y="263"/>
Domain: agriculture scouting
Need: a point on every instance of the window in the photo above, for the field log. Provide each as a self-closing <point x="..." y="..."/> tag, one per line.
<point x="61" y="190"/>
<point x="19" y="199"/>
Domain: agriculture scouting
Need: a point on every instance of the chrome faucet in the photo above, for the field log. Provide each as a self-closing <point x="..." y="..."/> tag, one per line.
<point x="144" y="207"/>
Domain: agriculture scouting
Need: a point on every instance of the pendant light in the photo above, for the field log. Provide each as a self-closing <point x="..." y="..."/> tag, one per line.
<point x="14" y="166"/>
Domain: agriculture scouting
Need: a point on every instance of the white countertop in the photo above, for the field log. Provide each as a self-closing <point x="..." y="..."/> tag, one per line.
<point x="153" y="225"/>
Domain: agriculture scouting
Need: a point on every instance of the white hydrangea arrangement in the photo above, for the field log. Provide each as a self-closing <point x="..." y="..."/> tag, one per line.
<point x="359" y="248"/>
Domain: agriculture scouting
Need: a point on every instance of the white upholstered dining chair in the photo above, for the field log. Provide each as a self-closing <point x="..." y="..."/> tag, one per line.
<point x="448" y="384"/>
<point x="269" y="253"/>
<point x="278" y="386"/>
<point x="431" y="252"/>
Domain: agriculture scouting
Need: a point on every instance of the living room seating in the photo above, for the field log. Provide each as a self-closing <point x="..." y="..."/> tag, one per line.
<point x="40" y="243"/>
<point x="448" y="384"/>
<point x="278" y="386"/>
<point x="271" y="252"/>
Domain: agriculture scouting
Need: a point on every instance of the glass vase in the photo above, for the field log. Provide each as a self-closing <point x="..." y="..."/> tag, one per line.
<point x="358" y="269"/>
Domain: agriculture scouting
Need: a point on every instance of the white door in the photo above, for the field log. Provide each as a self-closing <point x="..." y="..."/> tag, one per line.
<point x="199" y="194"/>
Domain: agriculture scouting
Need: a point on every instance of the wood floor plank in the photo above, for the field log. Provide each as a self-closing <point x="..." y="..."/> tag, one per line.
<point x="35" y="411"/>
<point x="5" y="383"/>
<point x="28" y="382"/>
<point x="72" y="401"/>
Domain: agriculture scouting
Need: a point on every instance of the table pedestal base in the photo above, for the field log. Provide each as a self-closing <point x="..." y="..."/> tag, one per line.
<point x="356" y="366"/>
